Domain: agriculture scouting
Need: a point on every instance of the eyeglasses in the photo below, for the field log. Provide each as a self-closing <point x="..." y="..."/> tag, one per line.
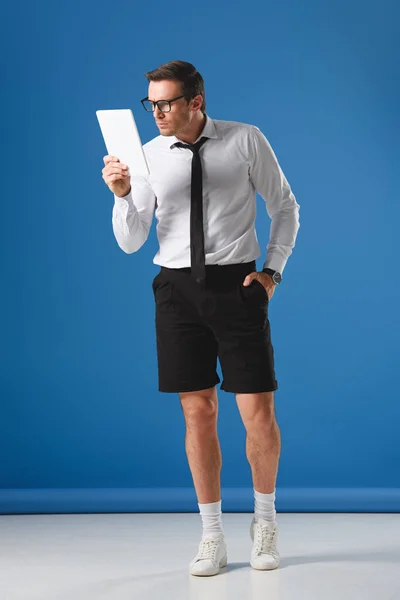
<point x="163" y="105"/>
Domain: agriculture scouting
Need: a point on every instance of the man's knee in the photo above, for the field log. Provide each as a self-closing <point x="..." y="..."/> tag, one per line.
<point x="257" y="410"/>
<point x="200" y="407"/>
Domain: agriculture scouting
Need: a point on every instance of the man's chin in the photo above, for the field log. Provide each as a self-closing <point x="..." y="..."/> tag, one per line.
<point x="166" y="132"/>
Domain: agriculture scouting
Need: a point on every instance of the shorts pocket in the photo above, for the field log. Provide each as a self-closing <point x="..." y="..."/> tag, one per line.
<point x="258" y="284"/>
<point x="162" y="292"/>
<point x="255" y="293"/>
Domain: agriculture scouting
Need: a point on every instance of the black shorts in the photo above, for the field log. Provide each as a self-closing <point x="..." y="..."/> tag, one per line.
<point x="220" y="318"/>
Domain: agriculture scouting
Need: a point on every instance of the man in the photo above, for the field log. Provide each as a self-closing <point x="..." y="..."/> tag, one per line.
<point x="210" y="300"/>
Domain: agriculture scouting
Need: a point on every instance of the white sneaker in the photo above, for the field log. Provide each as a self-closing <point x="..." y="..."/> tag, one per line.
<point x="264" y="554"/>
<point x="212" y="556"/>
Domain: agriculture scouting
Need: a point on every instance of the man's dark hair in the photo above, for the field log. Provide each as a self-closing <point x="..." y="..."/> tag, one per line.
<point x="179" y="70"/>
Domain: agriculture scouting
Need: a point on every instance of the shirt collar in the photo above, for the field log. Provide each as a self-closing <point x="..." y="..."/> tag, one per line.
<point x="209" y="131"/>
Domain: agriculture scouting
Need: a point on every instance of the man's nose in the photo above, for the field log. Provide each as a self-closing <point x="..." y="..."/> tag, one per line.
<point x="157" y="112"/>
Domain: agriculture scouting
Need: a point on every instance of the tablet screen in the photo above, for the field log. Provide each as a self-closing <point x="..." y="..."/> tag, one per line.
<point x="122" y="139"/>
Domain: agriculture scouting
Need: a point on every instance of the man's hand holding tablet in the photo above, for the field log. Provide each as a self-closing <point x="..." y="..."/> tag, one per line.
<point x="125" y="156"/>
<point x="117" y="176"/>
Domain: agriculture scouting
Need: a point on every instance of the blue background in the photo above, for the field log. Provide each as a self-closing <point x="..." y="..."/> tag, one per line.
<point x="83" y="426"/>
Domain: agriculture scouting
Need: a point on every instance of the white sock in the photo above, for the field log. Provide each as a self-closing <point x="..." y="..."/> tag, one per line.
<point x="264" y="506"/>
<point x="211" y="517"/>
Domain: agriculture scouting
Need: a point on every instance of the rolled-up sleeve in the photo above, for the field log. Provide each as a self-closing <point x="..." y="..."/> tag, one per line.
<point x="271" y="183"/>
<point x="132" y="215"/>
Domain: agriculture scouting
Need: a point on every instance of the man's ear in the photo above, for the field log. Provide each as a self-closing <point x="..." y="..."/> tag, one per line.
<point x="197" y="102"/>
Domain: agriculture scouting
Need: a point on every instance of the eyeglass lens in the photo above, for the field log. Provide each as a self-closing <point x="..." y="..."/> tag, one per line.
<point x="162" y="105"/>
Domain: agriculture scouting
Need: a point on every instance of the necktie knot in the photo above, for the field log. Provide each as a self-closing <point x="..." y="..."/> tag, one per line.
<point x="193" y="147"/>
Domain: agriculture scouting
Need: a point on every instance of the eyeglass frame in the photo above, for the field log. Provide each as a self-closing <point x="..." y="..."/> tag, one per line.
<point x="156" y="103"/>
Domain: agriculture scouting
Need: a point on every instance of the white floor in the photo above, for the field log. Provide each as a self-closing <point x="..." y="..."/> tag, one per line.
<point x="146" y="556"/>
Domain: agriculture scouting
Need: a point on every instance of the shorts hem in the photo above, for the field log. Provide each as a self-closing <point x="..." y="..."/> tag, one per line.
<point x="186" y="388"/>
<point x="249" y="389"/>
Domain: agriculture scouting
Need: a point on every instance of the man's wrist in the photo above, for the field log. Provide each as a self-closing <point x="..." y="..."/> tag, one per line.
<point x="276" y="276"/>
<point x="125" y="195"/>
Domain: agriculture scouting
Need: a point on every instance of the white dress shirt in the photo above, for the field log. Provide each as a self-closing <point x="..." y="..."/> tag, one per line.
<point x="236" y="161"/>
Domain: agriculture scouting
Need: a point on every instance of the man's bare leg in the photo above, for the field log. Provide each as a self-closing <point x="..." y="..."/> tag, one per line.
<point x="200" y="409"/>
<point x="203" y="451"/>
<point x="263" y="444"/>
<point x="263" y="440"/>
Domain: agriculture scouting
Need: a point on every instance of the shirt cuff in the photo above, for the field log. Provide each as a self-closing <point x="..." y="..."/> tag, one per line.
<point x="127" y="198"/>
<point x="275" y="262"/>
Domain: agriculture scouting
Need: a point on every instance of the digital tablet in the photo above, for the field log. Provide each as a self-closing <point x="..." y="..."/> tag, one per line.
<point x="122" y="139"/>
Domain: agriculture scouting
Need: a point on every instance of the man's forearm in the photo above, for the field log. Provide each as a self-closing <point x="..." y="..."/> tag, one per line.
<point x="283" y="232"/>
<point x="129" y="231"/>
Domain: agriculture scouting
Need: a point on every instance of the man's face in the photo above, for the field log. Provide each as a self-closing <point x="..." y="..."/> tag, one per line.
<point x="180" y="117"/>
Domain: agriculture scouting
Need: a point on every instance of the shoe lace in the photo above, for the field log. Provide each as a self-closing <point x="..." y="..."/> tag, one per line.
<point x="266" y="539"/>
<point x="207" y="549"/>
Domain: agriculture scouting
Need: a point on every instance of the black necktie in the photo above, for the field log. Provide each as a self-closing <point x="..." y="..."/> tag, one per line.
<point x="197" y="255"/>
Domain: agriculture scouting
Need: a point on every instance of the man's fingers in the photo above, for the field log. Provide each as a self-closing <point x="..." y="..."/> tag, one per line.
<point x="113" y="168"/>
<point x="116" y="177"/>
<point x="248" y="279"/>
<point x="108" y="158"/>
<point x="116" y="168"/>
